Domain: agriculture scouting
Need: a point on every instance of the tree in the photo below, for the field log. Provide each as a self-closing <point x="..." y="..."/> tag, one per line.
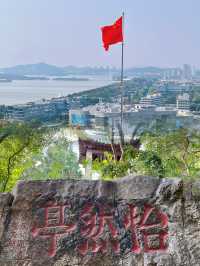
<point x="179" y="151"/>
<point x="55" y="161"/>
<point x="17" y="143"/>
<point x="175" y="153"/>
<point x="148" y="163"/>
<point x="110" y="168"/>
<point x="133" y="161"/>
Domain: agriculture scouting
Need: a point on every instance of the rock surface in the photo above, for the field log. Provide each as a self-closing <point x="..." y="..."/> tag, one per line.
<point x="134" y="221"/>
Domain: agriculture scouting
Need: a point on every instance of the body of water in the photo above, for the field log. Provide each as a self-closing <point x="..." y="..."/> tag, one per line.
<point x="19" y="92"/>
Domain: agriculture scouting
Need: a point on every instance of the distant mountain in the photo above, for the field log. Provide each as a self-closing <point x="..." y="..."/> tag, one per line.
<point x="43" y="69"/>
<point x="40" y="69"/>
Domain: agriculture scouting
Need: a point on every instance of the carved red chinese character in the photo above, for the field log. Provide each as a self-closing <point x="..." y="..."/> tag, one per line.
<point x="93" y="227"/>
<point x="54" y="226"/>
<point x="141" y="226"/>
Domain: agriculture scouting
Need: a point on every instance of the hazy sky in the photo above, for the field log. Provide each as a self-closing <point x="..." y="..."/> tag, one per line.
<point x="67" y="32"/>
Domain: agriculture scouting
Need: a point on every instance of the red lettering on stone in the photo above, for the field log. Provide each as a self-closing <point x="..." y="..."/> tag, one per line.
<point x="93" y="227"/>
<point x="130" y="223"/>
<point x="98" y="232"/>
<point x="140" y="227"/>
<point x="54" y="226"/>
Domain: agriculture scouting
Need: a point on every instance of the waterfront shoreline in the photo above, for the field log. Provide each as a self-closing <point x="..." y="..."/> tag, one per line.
<point x="23" y="92"/>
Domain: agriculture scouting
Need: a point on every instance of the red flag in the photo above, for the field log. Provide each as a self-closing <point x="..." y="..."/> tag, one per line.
<point x="112" y="34"/>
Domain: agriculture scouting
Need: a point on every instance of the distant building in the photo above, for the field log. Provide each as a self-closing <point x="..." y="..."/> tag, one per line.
<point x="172" y="74"/>
<point x="173" y="86"/>
<point x="45" y="110"/>
<point x="187" y="72"/>
<point x="150" y="100"/>
<point x="183" y="102"/>
<point x="79" y="118"/>
<point x="101" y="121"/>
<point x="15" y="113"/>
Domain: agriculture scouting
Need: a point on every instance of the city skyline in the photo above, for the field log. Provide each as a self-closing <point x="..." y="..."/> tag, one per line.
<point x="178" y="67"/>
<point x="68" y="33"/>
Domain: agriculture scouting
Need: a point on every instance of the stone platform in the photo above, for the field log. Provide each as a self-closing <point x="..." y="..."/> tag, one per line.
<point x="134" y="221"/>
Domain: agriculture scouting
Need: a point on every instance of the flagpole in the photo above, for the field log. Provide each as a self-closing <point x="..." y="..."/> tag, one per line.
<point x="122" y="76"/>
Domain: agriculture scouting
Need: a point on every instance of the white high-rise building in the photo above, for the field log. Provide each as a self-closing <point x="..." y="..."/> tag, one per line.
<point x="183" y="102"/>
<point x="154" y="99"/>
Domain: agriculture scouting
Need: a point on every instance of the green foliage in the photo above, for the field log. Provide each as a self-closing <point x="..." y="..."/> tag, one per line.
<point x="195" y="94"/>
<point x="179" y="151"/>
<point x="133" y="161"/>
<point x="110" y="168"/>
<point x="175" y="153"/>
<point x="32" y="152"/>
<point x="56" y="161"/>
<point x="148" y="163"/>
<point x="137" y="87"/>
<point x="17" y="143"/>
<point x="152" y="90"/>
